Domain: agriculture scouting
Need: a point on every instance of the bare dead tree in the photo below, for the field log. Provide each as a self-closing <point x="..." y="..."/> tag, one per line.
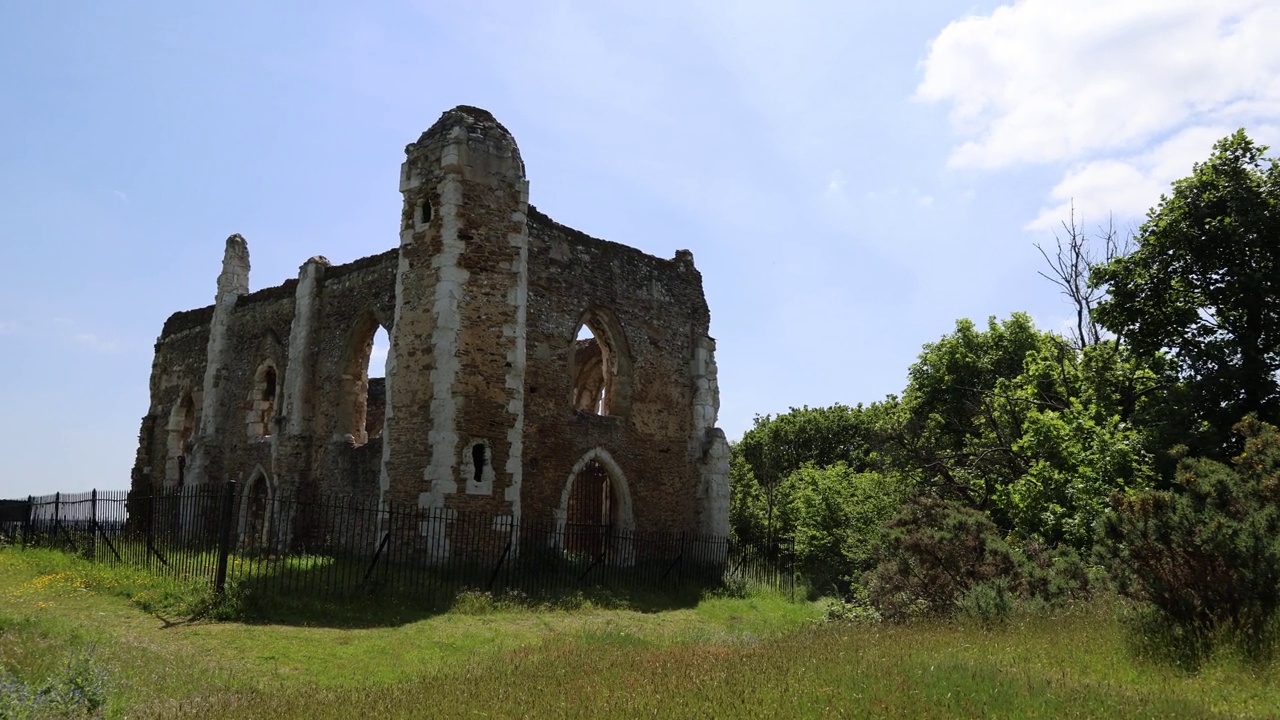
<point x="1070" y="266"/>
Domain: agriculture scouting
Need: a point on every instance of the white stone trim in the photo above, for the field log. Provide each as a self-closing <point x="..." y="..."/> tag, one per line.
<point x="232" y="283"/>
<point x="713" y="491"/>
<point x="389" y="374"/>
<point x="173" y="435"/>
<point x="519" y="298"/>
<point x="450" y="280"/>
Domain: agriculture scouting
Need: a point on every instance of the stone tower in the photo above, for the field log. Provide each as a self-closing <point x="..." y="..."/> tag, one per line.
<point x="456" y="368"/>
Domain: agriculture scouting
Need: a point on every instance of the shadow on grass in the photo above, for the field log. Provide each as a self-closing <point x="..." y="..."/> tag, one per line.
<point x="390" y="610"/>
<point x="348" y="593"/>
<point x="331" y="594"/>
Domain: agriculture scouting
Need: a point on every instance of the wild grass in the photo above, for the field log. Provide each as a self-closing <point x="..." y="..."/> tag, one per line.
<point x="728" y="655"/>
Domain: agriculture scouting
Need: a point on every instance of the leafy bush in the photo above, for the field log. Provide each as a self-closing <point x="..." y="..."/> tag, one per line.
<point x="932" y="554"/>
<point x="855" y="610"/>
<point x="777" y="447"/>
<point x="834" y="515"/>
<point x="1206" y="554"/>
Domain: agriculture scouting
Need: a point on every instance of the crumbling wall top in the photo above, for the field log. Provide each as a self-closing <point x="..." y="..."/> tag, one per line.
<point x="537" y="218"/>
<point x="187" y="320"/>
<point x="472" y="127"/>
<point x="387" y="257"/>
<point x="472" y="119"/>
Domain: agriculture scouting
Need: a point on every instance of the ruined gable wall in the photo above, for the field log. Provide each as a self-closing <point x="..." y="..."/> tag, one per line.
<point x="660" y="307"/>
<point x="259" y="331"/>
<point x="486" y="295"/>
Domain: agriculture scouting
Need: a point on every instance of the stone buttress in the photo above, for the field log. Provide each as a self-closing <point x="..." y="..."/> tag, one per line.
<point x="233" y="282"/>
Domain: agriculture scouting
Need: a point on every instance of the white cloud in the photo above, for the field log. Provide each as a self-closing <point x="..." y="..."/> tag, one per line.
<point x="1128" y="187"/>
<point x="1125" y="96"/>
<point x="124" y="198"/>
<point x="835" y="184"/>
<point x="1047" y="80"/>
<point x="89" y="341"/>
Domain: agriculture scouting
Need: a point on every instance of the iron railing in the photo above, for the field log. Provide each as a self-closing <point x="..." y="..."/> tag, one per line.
<point x="343" y="547"/>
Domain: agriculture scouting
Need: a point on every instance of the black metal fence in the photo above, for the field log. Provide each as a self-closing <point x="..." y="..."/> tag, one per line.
<point x="343" y="547"/>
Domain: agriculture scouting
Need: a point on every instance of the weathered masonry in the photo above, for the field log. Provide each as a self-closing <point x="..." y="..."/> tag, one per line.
<point x="534" y="373"/>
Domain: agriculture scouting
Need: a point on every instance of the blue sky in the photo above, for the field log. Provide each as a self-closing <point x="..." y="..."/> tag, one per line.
<point x="851" y="177"/>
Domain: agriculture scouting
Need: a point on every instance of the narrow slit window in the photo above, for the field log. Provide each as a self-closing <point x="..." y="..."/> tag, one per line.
<point x="477" y="460"/>
<point x="269" y="401"/>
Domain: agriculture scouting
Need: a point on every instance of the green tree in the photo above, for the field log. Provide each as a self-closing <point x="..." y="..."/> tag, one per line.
<point x="1027" y="426"/>
<point x="1203" y="285"/>
<point x="834" y="515"/>
<point x="958" y="431"/>
<point x="1079" y="439"/>
<point x="777" y="446"/>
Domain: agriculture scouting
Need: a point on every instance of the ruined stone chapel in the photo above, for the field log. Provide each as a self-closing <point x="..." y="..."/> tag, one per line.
<point x="494" y="401"/>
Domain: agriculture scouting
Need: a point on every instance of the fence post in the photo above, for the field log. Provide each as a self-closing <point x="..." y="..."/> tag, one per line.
<point x="26" y="521"/>
<point x="57" y="509"/>
<point x="93" y="525"/>
<point x="151" y="530"/>
<point x="791" y="570"/>
<point x="224" y="536"/>
<point x="493" y="577"/>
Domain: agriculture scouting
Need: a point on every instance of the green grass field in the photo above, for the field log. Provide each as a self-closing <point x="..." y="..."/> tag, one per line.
<point x="758" y="656"/>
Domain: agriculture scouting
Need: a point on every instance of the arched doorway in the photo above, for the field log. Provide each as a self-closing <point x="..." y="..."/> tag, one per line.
<point x="589" y="516"/>
<point x="595" y="514"/>
<point x="255" y="514"/>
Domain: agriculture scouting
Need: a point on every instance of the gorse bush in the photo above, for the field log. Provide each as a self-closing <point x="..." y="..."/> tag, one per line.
<point x="931" y="554"/>
<point x="1054" y="575"/>
<point x="941" y="558"/>
<point x="990" y="601"/>
<point x="1205" y="555"/>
